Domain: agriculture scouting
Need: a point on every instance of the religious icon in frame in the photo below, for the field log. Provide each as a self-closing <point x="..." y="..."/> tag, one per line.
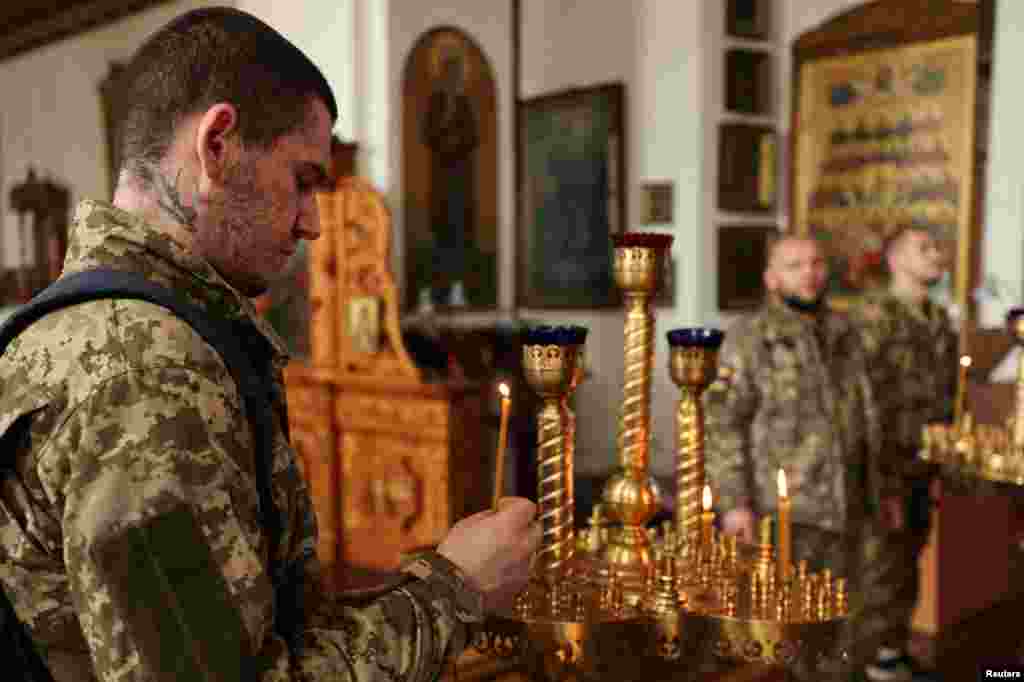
<point x="572" y="197"/>
<point x="886" y="140"/>
<point x="450" y="160"/>
<point x="363" y="324"/>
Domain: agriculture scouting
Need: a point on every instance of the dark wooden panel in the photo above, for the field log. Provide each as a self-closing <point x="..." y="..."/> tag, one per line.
<point x="28" y="24"/>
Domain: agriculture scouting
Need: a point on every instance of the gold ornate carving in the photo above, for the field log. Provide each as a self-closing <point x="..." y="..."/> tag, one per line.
<point x="383" y="452"/>
<point x="382" y="412"/>
<point x="356" y="221"/>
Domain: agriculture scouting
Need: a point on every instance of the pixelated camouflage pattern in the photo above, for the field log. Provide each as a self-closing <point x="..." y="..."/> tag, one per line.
<point x="133" y="415"/>
<point x="792" y="392"/>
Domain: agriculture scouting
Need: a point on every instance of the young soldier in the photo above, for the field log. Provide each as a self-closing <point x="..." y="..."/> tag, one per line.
<point x="143" y="533"/>
<point x="912" y="360"/>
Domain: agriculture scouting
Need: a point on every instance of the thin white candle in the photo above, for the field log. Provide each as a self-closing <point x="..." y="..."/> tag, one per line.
<point x="499" y="462"/>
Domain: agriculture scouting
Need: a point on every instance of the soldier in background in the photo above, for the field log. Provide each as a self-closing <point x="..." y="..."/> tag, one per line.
<point x="912" y="356"/>
<point x="793" y="393"/>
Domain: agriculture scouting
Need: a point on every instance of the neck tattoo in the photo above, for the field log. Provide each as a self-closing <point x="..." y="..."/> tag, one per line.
<point x="171" y="202"/>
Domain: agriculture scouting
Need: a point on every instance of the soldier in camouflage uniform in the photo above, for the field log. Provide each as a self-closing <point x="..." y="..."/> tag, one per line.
<point x="912" y="356"/>
<point x="133" y="448"/>
<point x="793" y="393"/>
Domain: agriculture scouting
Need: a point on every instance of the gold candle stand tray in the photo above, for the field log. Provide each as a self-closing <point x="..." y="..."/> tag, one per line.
<point x="770" y="642"/>
<point x="965" y="454"/>
<point x="606" y="648"/>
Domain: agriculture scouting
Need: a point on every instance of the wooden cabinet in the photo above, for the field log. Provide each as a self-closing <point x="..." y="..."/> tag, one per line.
<point x="392" y="461"/>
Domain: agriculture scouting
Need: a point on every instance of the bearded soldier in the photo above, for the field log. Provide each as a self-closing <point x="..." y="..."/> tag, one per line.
<point x="793" y="394"/>
<point x="912" y="356"/>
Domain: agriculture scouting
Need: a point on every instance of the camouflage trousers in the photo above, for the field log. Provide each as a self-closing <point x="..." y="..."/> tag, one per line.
<point x="890" y="582"/>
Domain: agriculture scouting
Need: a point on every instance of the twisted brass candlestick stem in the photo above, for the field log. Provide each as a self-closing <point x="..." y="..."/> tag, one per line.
<point x="549" y="362"/>
<point x="635" y="421"/>
<point x="689" y="463"/>
<point x="630" y="496"/>
<point x="693" y="365"/>
<point x="553" y="487"/>
<point x="569" y="446"/>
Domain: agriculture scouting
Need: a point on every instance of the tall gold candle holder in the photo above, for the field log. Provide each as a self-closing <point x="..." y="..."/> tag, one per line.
<point x="630" y="496"/>
<point x="550" y="361"/>
<point x="564" y="627"/>
<point x="693" y="365"/>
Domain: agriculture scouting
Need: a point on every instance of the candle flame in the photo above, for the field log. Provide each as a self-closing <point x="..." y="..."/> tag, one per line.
<point x="965" y="361"/>
<point x="706" y="498"/>
<point x="503" y="388"/>
<point x="783" y="488"/>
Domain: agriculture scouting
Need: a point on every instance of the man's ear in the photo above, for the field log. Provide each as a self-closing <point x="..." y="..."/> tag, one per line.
<point x="769" y="280"/>
<point x="217" y="145"/>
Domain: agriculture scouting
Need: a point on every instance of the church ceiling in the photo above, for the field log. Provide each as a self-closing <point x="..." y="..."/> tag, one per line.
<point x="28" y="24"/>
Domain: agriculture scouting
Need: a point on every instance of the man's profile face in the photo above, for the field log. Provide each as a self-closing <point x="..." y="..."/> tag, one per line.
<point x="266" y="204"/>
<point x="797" y="269"/>
<point x="920" y="256"/>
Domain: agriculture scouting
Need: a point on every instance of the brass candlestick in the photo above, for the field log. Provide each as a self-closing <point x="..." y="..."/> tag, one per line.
<point x="693" y="364"/>
<point x="550" y="364"/>
<point x="630" y="496"/>
<point x="563" y="627"/>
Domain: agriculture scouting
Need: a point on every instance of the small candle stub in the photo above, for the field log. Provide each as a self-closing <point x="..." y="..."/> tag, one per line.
<point x="707" y="520"/>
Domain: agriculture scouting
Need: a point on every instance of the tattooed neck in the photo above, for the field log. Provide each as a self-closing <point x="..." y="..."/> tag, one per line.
<point x="169" y="199"/>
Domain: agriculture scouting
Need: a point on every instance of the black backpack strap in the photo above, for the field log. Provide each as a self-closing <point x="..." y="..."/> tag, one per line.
<point x="245" y="352"/>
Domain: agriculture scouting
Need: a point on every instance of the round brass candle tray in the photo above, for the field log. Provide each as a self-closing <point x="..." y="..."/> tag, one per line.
<point x="973" y="451"/>
<point x="567" y="631"/>
<point x="728" y="603"/>
<point x="564" y="628"/>
<point x="619" y="601"/>
<point x="965" y="451"/>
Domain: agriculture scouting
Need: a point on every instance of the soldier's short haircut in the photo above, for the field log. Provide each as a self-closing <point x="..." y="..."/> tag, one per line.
<point x="778" y="238"/>
<point x="896" y="235"/>
<point x="211" y="55"/>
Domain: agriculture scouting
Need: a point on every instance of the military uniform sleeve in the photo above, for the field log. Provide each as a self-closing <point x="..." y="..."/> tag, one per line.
<point x="405" y="630"/>
<point x="166" y="562"/>
<point x="730" y="405"/>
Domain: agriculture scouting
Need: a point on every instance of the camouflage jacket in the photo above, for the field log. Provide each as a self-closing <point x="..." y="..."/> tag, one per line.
<point x="792" y="393"/>
<point x="912" y="362"/>
<point x="135" y="427"/>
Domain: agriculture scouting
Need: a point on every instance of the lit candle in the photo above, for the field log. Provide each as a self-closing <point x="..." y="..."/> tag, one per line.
<point x="960" y="406"/>
<point x="499" y="461"/>
<point x="785" y="541"/>
<point x="707" y="517"/>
